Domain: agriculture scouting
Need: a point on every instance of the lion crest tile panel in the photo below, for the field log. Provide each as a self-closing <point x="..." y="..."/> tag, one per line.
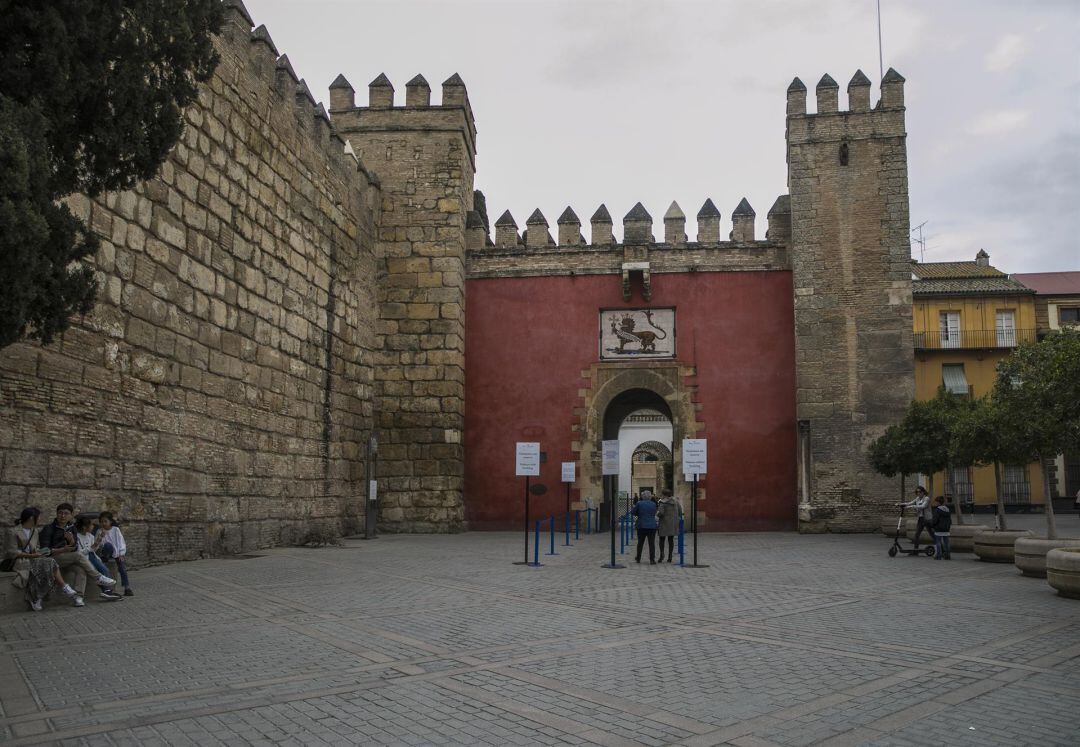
<point x="634" y="334"/>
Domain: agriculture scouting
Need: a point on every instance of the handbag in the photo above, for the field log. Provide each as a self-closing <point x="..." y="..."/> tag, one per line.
<point x="7" y="565"/>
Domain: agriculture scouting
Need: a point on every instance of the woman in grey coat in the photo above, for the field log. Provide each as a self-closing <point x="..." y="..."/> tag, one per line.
<point x="668" y="513"/>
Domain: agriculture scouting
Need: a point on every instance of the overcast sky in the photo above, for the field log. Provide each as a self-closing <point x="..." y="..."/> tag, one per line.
<point x="616" y="101"/>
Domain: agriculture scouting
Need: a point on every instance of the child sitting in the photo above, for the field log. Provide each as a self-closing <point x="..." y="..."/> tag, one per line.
<point x="111" y="546"/>
<point x="84" y="545"/>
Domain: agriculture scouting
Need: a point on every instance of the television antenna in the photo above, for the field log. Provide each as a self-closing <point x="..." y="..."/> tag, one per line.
<point x="921" y="240"/>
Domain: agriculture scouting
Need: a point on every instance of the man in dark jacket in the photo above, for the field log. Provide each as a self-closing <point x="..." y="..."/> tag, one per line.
<point x="645" y="511"/>
<point x="59" y="536"/>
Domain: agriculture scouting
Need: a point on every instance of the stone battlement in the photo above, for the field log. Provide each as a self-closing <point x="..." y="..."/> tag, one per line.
<point x="637" y="229"/>
<point x="257" y="54"/>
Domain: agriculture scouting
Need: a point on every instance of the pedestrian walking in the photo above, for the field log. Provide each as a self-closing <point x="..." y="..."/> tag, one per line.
<point x="668" y="513"/>
<point x="941" y="525"/>
<point x="645" y="511"/>
<point x="925" y="513"/>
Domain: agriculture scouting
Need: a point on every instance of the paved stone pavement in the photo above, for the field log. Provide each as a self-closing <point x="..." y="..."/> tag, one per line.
<point x="415" y="640"/>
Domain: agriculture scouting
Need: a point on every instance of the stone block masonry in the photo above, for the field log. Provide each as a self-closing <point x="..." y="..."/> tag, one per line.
<point x="219" y="395"/>
<point x="424" y="156"/>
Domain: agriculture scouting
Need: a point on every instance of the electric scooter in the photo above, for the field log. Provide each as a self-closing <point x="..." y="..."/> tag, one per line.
<point x="898" y="548"/>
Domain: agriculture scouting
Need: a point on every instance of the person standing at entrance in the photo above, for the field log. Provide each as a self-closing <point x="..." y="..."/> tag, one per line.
<point x="645" y="511"/>
<point x="668" y="513"/>
<point x="925" y="513"/>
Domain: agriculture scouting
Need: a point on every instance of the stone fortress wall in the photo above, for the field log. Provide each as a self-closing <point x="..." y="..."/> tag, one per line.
<point x="294" y="281"/>
<point x="219" y="395"/>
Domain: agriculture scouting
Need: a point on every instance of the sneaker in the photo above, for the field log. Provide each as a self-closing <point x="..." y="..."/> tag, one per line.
<point x="107" y="595"/>
<point x="106" y="581"/>
<point x="36" y="605"/>
<point x="68" y="591"/>
<point x="79" y="602"/>
<point x="128" y="592"/>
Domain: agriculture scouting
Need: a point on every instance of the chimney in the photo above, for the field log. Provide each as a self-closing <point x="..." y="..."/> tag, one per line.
<point x="982" y="259"/>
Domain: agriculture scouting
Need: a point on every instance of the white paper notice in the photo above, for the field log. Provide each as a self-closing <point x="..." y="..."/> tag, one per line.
<point x="569" y="471"/>
<point x="694" y="457"/>
<point x="528" y="459"/>
<point x="372" y="490"/>
<point x="611" y="458"/>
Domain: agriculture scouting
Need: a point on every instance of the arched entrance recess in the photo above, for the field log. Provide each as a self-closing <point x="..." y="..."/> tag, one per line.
<point x="617" y="390"/>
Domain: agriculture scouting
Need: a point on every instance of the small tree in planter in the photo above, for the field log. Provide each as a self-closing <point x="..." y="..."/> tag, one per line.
<point x="1037" y="394"/>
<point x="980" y="435"/>
<point x="924" y="435"/>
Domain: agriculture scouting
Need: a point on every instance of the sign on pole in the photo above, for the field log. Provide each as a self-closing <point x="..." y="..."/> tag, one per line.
<point x="569" y="471"/>
<point x="528" y="459"/>
<point x="373" y="490"/>
<point x="694" y="457"/>
<point x="611" y="457"/>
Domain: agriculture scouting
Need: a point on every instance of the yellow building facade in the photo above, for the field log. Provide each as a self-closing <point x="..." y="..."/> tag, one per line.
<point x="968" y="316"/>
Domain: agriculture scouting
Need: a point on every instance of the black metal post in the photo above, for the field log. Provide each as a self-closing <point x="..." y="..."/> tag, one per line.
<point x="526" y="561"/>
<point x="611" y="513"/>
<point x="371" y="512"/>
<point x="693" y="522"/>
<point x="567" y="497"/>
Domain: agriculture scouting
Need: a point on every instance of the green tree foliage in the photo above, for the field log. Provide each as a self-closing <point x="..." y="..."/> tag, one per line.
<point x="90" y="101"/>
<point x="1037" y="394"/>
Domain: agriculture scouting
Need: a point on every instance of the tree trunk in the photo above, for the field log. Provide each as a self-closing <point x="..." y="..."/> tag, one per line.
<point x="951" y="489"/>
<point x="1051" y="523"/>
<point x="999" y="502"/>
<point x="903" y="488"/>
<point x="930" y="485"/>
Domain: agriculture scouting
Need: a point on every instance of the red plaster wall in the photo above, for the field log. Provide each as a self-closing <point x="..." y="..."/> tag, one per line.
<point x="528" y="340"/>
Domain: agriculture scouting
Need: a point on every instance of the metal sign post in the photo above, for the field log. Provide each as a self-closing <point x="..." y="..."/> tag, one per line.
<point x="610" y="469"/>
<point x="569" y="470"/>
<point x="695" y="462"/>
<point x="527" y="464"/>
<point x="371" y="505"/>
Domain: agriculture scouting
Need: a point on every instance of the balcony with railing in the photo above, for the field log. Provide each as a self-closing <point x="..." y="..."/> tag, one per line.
<point x="973" y="339"/>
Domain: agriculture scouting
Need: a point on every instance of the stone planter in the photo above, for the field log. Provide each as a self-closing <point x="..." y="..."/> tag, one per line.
<point x="1030" y="553"/>
<point x="1063" y="571"/>
<point x="996" y="546"/>
<point x="962" y="537"/>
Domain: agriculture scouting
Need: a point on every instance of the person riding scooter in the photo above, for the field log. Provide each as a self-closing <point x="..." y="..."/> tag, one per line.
<point x="925" y="513"/>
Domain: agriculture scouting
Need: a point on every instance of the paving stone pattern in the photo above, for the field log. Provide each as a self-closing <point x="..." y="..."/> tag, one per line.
<point x="419" y="640"/>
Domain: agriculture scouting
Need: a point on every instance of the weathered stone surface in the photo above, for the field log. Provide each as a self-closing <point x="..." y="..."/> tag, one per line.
<point x="204" y="400"/>
<point x="1063" y="571"/>
<point x="1030" y="553"/>
<point x="997" y="545"/>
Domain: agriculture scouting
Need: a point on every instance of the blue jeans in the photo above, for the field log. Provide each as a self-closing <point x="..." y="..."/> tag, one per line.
<point x="98" y="565"/>
<point x="941" y="545"/>
<point x="108" y="552"/>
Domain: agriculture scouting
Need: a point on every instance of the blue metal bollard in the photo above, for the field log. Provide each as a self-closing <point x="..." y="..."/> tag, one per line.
<point x="566" y="528"/>
<point x="622" y="536"/>
<point x="588" y="521"/>
<point x="577" y="525"/>
<point x="682" y="543"/>
<point x="551" y="528"/>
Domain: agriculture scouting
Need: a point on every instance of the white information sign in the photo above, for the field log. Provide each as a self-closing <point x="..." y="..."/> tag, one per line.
<point x="569" y="471"/>
<point x="694" y="457"/>
<point x="611" y="458"/>
<point x="528" y="459"/>
<point x="372" y="490"/>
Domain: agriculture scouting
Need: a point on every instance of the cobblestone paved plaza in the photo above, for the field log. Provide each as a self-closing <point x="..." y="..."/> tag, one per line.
<point x="784" y="639"/>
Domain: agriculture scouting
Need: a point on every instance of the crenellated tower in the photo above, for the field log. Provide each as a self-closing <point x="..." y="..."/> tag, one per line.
<point x="850" y="258"/>
<point x="424" y="156"/>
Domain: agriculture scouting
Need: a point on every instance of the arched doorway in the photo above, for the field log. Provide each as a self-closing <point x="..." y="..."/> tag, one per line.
<point x="650" y="465"/>
<point x="614" y="393"/>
